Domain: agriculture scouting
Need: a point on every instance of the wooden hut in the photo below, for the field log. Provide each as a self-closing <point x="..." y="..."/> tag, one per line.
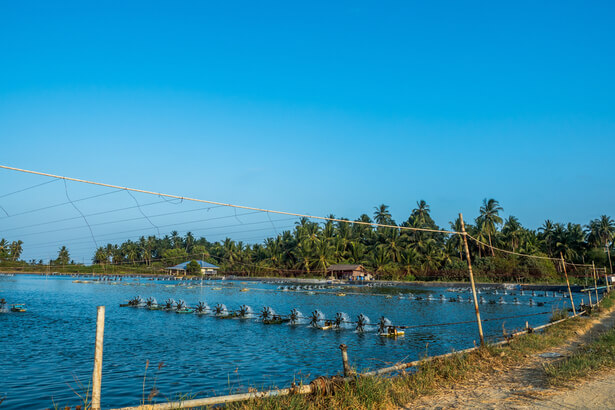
<point x="349" y="272"/>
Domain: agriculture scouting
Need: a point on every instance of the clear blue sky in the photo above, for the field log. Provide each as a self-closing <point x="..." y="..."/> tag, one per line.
<point x="320" y="108"/>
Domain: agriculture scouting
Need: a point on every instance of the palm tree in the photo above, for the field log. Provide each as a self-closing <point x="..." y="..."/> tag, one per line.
<point x="16" y="248"/>
<point x="393" y="243"/>
<point x="63" y="256"/>
<point x="324" y="253"/>
<point x="100" y="257"/>
<point x="132" y="252"/>
<point x="176" y="240"/>
<point x="602" y="231"/>
<point x="379" y="258"/>
<point x="357" y="252"/>
<point x="456" y="241"/>
<point x="4" y="246"/>
<point x="512" y="232"/>
<point x="408" y="259"/>
<point x="421" y="212"/>
<point x="489" y="218"/>
<point x="382" y="216"/>
<point x="431" y="256"/>
<point x="547" y="235"/>
<point x="304" y="253"/>
<point x="189" y="241"/>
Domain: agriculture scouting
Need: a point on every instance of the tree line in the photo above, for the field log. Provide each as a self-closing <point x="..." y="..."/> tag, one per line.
<point x="389" y="252"/>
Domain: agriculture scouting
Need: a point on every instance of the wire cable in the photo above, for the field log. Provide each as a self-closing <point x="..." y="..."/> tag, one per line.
<point x="228" y="204"/>
<point x="81" y="213"/>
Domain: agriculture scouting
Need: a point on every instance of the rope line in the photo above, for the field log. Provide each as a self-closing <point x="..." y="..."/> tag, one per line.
<point x="63" y="203"/>
<point x="143" y="213"/>
<point x="25" y="189"/>
<point x="522" y="254"/>
<point x="81" y="213"/>
<point x="143" y="191"/>
<point x="92" y="214"/>
<point x="39" y="244"/>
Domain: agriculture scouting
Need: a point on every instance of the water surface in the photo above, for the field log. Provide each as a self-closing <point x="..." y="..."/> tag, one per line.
<point x="47" y="352"/>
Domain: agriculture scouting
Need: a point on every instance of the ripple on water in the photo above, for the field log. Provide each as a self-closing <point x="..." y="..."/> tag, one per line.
<point x="47" y="352"/>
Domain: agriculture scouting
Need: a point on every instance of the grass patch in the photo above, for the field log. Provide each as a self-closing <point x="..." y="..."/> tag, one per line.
<point x="441" y="373"/>
<point x="599" y="354"/>
<point x="558" y="314"/>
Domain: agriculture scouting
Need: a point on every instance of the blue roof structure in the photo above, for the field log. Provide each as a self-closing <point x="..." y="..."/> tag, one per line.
<point x="182" y="266"/>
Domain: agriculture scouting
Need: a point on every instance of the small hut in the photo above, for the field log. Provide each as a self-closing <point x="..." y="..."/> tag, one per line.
<point x="206" y="268"/>
<point x="349" y="272"/>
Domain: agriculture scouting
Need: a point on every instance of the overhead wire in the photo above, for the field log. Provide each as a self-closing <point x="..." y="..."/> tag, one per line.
<point x="92" y="214"/>
<point x="30" y="187"/>
<point x="522" y="254"/>
<point x="81" y="213"/>
<point x="162" y="226"/>
<point x="256" y="209"/>
<point x="61" y="204"/>
<point x="228" y="204"/>
<point x="143" y="213"/>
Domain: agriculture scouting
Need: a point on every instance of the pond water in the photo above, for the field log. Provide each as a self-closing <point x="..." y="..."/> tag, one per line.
<point x="47" y="352"/>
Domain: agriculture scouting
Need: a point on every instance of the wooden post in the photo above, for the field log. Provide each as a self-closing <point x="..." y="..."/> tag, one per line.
<point x="606" y="281"/>
<point x="467" y="249"/>
<point x="98" y="357"/>
<point x="595" y="281"/>
<point x="574" y="312"/>
<point x="347" y="369"/>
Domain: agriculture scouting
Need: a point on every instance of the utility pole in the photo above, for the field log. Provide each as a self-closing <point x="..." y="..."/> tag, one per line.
<point x="467" y="249"/>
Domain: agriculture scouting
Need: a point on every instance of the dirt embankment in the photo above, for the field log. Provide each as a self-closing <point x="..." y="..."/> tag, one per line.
<point x="527" y="387"/>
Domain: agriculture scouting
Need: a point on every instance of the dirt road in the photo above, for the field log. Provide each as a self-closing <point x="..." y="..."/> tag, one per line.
<point x="526" y="386"/>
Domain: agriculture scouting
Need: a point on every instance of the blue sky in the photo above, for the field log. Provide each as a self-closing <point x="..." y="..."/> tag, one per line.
<point x="318" y="108"/>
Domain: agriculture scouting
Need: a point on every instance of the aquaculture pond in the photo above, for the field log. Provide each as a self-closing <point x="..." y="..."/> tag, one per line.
<point x="47" y="352"/>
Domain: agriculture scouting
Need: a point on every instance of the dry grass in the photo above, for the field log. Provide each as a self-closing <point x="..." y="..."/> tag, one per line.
<point x="444" y="373"/>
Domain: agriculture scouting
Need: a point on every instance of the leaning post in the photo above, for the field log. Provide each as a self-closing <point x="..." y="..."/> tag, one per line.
<point x="98" y="356"/>
<point x="467" y="249"/>
<point x="347" y="369"/>
<point x="574" y="312"/>
<point x="606" y="281"/>
<point x="595" y="282"/>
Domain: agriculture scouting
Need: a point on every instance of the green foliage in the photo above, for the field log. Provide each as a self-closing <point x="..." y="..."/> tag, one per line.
<point x="391" y="253"/>
<point x="171" y="257"/>
<point x="10" y="251"/>
<point x="558" y="314"/>
<point x="193" y="268"/>
<point x="63" y="256"/>
<point x="599" y="354"/>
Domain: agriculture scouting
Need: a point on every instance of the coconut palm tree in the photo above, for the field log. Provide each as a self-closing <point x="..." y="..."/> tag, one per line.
<point x="547" y="236"/>
<point x="408" y="259"/>
<point x="456" y="241"/>
<point x="379" y="258"/>
<point x="602" y="231"/>
<point x="15" y="249"/>
<point x="304" y="255"/>
<point x="489" y="218"/>
<point x="421" y="213"/>
<point x="63" y="256"/>
<point x="357" y="252"/>
<point x="4" y="249"/>
<point x="324" y="255"/>
<point x="512" y="232"/>
<point x="393" y="243"/>
<point x="382" y="216"/>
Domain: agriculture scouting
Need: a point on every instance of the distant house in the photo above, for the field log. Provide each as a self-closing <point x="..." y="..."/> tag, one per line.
<point x="206" y="268"/>
<point x="349" y="272"/>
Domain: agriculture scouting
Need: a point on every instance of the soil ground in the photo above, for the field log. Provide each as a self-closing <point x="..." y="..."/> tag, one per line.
<point x="526" y="386"/>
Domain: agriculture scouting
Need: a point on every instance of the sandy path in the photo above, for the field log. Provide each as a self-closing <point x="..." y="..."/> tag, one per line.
<point x="526" y="387"/>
